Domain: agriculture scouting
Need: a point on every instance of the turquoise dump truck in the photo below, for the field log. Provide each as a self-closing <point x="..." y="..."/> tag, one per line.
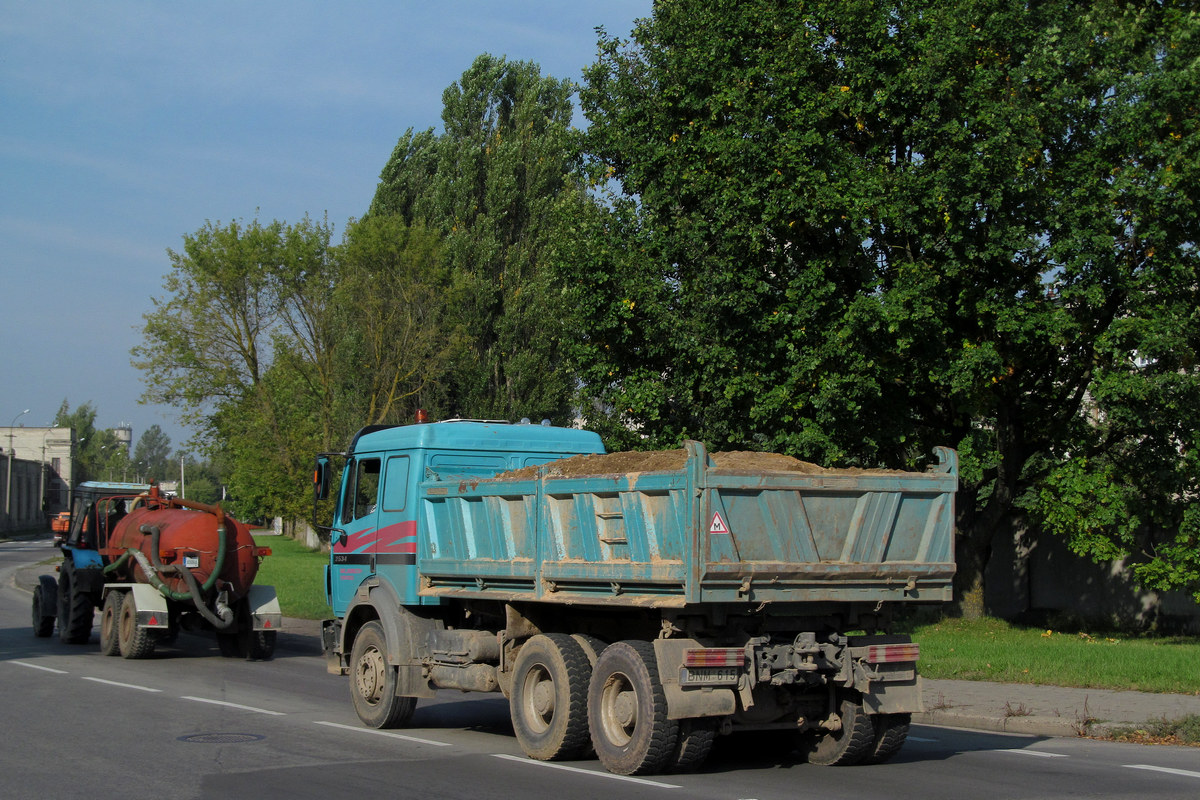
<point x="637" y="605"/>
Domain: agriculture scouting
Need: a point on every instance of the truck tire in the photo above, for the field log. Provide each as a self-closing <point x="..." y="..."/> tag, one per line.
<point x="132" y="641"/>
<point x="548" y="701"/>
<point x="373" y="682"/>
<point x="891" y="731"/>
<point x="627" y="711"/>
<point x="75" y="608"/>
<point x="847" y="746"/>
<point x="44" y="612"/>
<point x="696" y="739"/>
<point x="110" y="623"/>
<point x="246" y="642"/>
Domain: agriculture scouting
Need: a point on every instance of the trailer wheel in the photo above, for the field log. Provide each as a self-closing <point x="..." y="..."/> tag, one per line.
<point x="132" y="641"/>
<point x="847" y="746"/>
<point x="627" y="711"/>
<point x="110" y="623"/>
<point x="548" y="701"/>
<point x="891" y="731"/>
<point x="44" y="611"/>
<point x="373" y="682"/>
<point x="75" y="608"/>
<point x="696" y="739"/>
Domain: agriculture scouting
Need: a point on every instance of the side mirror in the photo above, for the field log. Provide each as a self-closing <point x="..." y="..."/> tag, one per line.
<point x="321" y="478"/>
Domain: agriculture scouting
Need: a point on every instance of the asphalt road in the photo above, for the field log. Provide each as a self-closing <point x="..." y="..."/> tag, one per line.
<point x="190" y="724"/>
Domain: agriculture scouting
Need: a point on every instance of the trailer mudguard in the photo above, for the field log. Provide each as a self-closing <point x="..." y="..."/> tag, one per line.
<point x="148" y="603"/>
<point x="265" y="614"/>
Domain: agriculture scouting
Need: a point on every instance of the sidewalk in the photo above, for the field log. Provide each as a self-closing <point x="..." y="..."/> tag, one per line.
<point x="1045" y="710"/>
<point x="978" y="705"/>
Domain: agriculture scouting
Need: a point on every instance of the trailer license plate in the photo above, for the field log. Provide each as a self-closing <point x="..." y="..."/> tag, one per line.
<point x="708" y="676"/>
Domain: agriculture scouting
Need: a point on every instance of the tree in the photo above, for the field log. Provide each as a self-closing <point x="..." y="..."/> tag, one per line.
<point x="489" y="186"/>
<point x="242" y="346"/>
<point x="98" y="452"/>
<point x="151" y="453"/>
<point x="395" y="319"/>
<point x="857" y="230"/>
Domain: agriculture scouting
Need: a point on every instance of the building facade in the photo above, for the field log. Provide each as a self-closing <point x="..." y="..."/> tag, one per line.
<point x="37" y="466"/>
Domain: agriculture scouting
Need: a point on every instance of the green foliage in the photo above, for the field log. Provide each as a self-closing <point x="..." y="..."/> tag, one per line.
<point x="852" y="231"/>
<point x="492" y="185"/>
<point x="151" y="454"/>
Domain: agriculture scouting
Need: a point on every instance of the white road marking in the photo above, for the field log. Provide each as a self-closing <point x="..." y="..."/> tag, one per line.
<point x="123" y="685"/>
<point x="1035" y="753"/>
<point x="1187" y="773"/>
<point x="38" y="666"/>
<point x="358" y="729"/>
<point x="593" y="773"/>
<point x="235" y="705"/>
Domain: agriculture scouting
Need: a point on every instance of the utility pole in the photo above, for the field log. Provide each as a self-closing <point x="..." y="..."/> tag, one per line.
<point x="8" y="489"/>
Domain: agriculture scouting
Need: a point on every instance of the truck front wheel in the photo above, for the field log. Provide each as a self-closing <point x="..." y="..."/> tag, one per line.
<point x="627" y="711"/>
<point x="548" y="701"/>
<point x="373" y="682"/>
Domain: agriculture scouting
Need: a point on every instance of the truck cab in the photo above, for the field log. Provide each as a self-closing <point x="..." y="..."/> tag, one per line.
<point x="373" y="535"/>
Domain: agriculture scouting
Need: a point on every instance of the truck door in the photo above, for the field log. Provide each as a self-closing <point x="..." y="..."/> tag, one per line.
<point x="396" y="544"/>
<point x="353" y="543"/>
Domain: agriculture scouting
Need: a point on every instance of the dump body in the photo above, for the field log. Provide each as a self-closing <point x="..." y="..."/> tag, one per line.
<point x="700" y="534"/>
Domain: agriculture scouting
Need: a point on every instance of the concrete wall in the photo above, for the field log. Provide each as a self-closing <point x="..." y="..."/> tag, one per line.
<point x="1042" y="582"/>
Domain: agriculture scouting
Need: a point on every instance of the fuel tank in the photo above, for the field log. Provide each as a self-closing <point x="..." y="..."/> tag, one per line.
<point x="187" y="538"/>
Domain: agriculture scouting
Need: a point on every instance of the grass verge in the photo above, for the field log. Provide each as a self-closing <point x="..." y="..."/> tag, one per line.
<point x="298" y="575"/>
<point x="993" y="650"/>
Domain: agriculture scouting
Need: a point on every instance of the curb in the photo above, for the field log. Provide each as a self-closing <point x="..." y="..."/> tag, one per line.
<point x="1028" y="725"/>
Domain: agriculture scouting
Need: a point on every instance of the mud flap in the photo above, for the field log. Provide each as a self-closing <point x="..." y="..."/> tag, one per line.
<point x="265" y="614"/>
<point x="901" y="697"/>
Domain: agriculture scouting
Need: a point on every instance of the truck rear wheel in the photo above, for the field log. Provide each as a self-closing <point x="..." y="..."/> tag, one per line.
<point x="110" y="623"/>
<point x="627" y="711"/>
<point x="696" y="739"/>
<point x="548" y="701"/>
<point x="850" y="745"/>
<point x="891" y="731"/>
<point x="75" y="608"/>
<point x="132" y="641"/>
<point x="373" y="682"/>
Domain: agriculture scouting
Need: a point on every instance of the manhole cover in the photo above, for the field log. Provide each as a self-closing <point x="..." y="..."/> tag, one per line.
<point x="221" y="738"/>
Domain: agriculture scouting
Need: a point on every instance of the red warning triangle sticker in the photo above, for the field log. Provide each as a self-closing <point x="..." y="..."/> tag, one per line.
<point x="718" y="524"/>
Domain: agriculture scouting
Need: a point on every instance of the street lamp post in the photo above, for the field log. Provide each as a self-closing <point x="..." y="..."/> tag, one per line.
<point x="8" y="489"/>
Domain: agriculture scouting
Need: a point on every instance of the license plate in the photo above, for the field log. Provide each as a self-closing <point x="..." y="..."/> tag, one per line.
<point x="708" y="676"/>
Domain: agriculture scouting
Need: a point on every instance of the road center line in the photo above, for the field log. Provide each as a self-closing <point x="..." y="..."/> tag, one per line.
<point x="235" y="705"/>
<point x="38" y="666"/>
<point x="590" y="772"/>
<point x="1035" y="753"/>
<point x="122" y="685"/>
<point x="1187" y="773"/>
<point x="357" y="729"/>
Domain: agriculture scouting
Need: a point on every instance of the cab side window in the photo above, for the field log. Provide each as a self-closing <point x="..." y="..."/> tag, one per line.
<point x="366" y="487"/>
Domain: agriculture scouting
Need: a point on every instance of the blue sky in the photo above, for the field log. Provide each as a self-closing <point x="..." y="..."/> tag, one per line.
<point x="125" y="125"/>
